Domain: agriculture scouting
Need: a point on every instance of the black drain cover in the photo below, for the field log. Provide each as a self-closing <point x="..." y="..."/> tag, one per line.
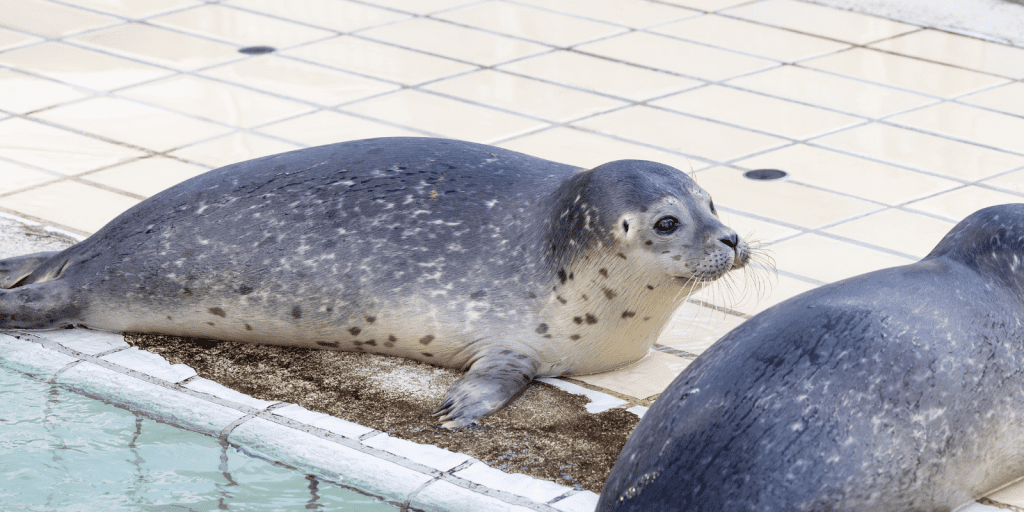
<point x="765" y="174"/>
<point x="256" y="50"/>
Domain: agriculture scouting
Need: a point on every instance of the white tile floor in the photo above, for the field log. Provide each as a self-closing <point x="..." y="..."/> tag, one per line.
<point x="890" y="132"/>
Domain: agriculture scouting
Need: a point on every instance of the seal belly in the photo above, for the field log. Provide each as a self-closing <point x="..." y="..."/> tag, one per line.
<point x="293" y="318"/>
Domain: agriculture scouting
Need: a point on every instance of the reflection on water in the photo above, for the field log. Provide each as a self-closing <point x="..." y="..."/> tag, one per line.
<point x="60" y="451"/>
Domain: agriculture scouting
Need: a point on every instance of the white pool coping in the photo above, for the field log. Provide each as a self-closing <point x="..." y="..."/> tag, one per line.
<point x="424" y="477"/>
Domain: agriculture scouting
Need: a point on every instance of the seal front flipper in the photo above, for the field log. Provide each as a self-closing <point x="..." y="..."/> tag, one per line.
<point x="14" y="270"/>
<point x="493" y="379"/>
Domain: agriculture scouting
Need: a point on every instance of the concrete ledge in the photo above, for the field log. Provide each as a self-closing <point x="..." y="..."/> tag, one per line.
<point x="327" y="459"/>
<point x="164" y="404"/>
<point x="32" y="359"/>
<point x="424" y="477"/>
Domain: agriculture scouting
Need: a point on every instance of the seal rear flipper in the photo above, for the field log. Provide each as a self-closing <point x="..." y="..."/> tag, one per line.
<point x="13" y="271"/>
<point x="47" y="305"/>
<point x="492" y="381"/>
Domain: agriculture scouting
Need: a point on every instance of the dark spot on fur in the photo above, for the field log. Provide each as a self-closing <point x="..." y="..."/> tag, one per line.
<point x="560" y="299"/>
<point x="210" y="323"/>
<point x="646" y="318"/>
<point x="548" y="336"/>
<point x="331" y="344"/>
<point x="648" y="242"/>
<point x="572" y="275"/>
<point x="561" y="275"/>
<point x="427" y="339"/>
<point x="542" y="328"/>
<point x="628" y="314"/>
<point x="677" y="257"/>
<point x="248" y="327"/>
<point x="244" y="290"/>
<point x="603" y="272"/>
<point x="623" y="256"/>
<point x="478" y="294"/>
<point x="574" y="337"/>
<point x="392" y="338"/>
<point x="591" y="319"/>
<point x="371" y="319"/>
<point x="372" y="343"/>
<point x="428" y="354"/>
<point x="608" y="293"/>
<point x="329" y="309"/>
<point x="186" y="290"/>
<point x="531" y="295"/>
<point x="649" y="287"/>
<point x="355" y="331"/>
<point x="578" y="320"/>
<point x="218" y="311"/>
<point x="357" y="343"/>
<point x="584" y="296"/>
<point x="297" y="312"/>
<point x="169" y="317"/>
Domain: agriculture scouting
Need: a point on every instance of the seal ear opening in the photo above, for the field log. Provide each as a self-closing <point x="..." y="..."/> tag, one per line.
<point x="625" y="230"/>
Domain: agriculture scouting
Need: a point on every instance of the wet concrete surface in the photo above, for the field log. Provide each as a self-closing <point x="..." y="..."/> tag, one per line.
<point x="545" y="433"/>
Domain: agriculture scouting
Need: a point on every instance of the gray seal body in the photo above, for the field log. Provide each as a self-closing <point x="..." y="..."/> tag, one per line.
<point x="897" y="390"/>
<point x="448" y="252"/>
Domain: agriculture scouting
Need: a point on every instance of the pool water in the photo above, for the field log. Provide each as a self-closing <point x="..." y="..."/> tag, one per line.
<point x="60" y="451"/>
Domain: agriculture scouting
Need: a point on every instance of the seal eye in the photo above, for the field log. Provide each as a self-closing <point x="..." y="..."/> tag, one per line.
<point x="712" y="203"/>
<point x="666" y="225"/>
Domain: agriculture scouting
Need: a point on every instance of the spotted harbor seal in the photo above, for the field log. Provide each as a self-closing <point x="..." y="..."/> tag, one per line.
<point x="897" y="390"/>
<point x="452" y="253"/>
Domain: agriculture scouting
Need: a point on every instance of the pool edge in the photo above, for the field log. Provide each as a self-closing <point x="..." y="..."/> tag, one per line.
<point x="424" y="477"/>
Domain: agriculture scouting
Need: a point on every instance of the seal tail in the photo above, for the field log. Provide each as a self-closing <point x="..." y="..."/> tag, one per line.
<point x="14" y="271"/>
<point x="32" y="296"/>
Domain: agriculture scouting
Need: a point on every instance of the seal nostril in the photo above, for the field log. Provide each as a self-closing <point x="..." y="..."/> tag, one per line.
<point x="765" y="174"/>
<point x="732" y="240"/>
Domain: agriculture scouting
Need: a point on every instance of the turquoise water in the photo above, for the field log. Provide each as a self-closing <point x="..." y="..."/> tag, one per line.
<point x="60" y="451"/>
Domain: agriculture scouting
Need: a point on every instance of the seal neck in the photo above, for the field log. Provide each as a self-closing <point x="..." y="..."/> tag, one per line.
<point x="607" y="313"/>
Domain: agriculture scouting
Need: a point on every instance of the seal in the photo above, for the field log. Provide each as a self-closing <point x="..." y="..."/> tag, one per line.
<point x="896" y="390"/>
<point x="451" y="253"/>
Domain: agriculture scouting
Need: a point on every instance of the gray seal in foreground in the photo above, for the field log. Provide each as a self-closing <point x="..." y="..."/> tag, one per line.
<point x="897" y="390"/>
<point x="456" y="254"/>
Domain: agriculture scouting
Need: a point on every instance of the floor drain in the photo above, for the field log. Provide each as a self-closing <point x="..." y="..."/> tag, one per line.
<point x="256" y="50"/>
<point x="765" y="174"/>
